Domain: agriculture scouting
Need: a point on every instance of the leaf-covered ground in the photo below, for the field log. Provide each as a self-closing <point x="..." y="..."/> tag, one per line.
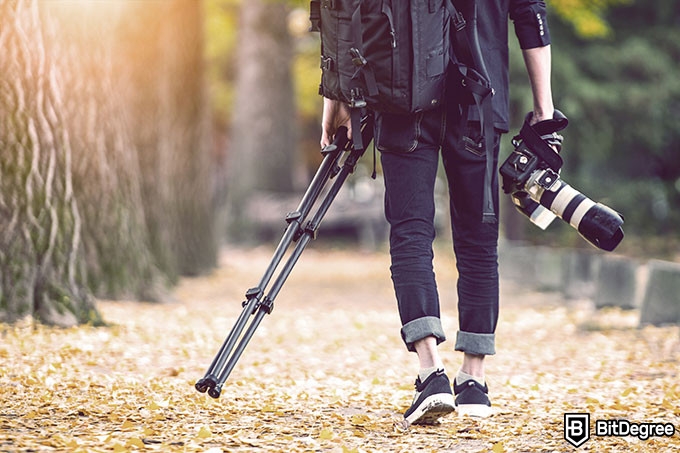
<point x="326" y="371"/>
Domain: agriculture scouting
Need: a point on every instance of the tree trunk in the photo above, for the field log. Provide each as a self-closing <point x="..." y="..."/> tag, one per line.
<point x="262" y="155"/>
<point x="40" y="239"/>
<point x="99" y="194"/>
<point x="161" y="57"/>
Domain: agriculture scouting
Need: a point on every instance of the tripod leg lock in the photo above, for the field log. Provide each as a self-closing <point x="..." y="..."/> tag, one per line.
<point x="311" y="229"/>
<point x="252" y="293"/>
<point x="267" y="305"/>
<point x="293" y="216"/>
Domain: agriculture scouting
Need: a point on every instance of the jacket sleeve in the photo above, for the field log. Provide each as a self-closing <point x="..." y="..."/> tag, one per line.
<point x="531" y="23"/>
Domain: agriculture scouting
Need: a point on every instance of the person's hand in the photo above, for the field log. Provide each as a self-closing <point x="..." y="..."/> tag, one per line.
<point x="553" y="139"/>
<point x="335" y="114"/>
<point x="541" y="115"/>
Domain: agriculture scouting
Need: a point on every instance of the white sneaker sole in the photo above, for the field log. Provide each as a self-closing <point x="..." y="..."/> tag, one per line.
<point x="474" y="410"/>
<point x="432" y="409"/>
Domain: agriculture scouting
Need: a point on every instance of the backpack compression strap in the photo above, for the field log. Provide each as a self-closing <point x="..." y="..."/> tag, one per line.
<point x="315" y="15"/>
<point x="483" y="100"/>
<point x="357" y="102"/>
<point x="474" y="79"/>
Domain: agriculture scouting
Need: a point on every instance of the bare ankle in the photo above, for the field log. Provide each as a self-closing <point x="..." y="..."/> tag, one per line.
<point x="428" y="354"/>
<point x="473" y="364"/>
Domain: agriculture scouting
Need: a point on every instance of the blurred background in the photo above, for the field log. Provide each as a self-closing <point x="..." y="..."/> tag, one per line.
<point x="139" y="137"/>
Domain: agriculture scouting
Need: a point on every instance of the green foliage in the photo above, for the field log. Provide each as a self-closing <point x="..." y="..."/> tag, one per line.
<point x="221" y="52"/>
<point x="622" y="96"/>
<point x="221" y="39"/>
<point x="307" y="75"/>
<point x="585" y="16"/>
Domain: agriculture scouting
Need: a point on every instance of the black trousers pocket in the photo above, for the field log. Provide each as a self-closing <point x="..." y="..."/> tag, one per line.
<point x="397" y="133"/>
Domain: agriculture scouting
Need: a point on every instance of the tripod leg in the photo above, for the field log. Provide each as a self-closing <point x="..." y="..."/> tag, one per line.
<point x="295" y="218"/>
<point x="217" y="368"/>
<point x="225" y="369"/>
<point x="310" y="229"/>
<point x="308" y="234"/>
<point x="211" y="379"/>
<point x="215" y="391"/>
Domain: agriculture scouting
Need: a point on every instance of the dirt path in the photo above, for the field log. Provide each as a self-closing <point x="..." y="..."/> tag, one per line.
<point x="326" y="371"/>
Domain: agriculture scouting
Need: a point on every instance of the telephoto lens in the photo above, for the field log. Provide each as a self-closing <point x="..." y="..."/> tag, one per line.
<point x="530" y="176"/>
<point x="540" y="216"/>
<point x="597" y="223"/>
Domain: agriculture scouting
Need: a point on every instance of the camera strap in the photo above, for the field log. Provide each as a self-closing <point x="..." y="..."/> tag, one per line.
<point x="533" y="138"/>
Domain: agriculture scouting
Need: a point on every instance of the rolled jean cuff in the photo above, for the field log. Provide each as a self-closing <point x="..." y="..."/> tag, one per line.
<point x="427" y="326"/>
<point x="476" y="343"/>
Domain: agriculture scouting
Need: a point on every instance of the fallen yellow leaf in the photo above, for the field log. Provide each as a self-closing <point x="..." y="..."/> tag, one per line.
<point x="326" y="434"/>
<point x="359" y="419"/>
<point x="135" y="442"/>
<point x="127" y="425"/>
<point x="204" y="433"/>
<point x="628" y="391"/>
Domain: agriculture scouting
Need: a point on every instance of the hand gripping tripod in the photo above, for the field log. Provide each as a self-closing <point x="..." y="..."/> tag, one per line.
<point x="259" y="302"/>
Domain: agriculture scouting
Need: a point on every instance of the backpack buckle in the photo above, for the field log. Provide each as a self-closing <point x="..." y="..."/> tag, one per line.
<point x="327" y="63"/>
<point x="357" y="58"/>
<point x="357" y="100"/>
<point x="458" y="21"/>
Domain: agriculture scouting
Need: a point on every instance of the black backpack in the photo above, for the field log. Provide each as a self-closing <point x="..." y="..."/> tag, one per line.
<point x="395" y="56"/>
<point x="391" y="55"/>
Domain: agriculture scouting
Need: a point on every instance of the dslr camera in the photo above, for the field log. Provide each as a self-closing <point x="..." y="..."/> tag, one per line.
<point x="531" y="175"/>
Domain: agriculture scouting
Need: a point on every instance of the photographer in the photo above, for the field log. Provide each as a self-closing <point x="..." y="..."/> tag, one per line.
<point x="410" y="146"/>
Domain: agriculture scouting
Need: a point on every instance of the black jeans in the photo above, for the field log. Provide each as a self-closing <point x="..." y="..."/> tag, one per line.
<point x="410" y="146"/>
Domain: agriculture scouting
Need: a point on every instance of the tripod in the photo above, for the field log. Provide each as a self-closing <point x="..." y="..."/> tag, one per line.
<point x="259" y="301"/>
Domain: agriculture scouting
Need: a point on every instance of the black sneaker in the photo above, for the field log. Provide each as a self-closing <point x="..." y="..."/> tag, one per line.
<point x="472" y="399"/>
<point x="433" y="400"/>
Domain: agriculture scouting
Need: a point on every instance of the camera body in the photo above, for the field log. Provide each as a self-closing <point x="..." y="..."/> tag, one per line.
<point x="531" y="177"/>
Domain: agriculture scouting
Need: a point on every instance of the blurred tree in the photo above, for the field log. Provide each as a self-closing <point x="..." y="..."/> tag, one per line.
<point x="104" y="172"/>
<point x="221" y="44"/>
<point x="262" y="154"/>
<point x="107" y="177"/>
<point x="160" y="58"/>
<point x="41" y="234"/>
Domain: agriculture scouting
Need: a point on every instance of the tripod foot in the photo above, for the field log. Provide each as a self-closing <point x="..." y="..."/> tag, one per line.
<point x="215" y="391"/>
<point x="206" y="383"/>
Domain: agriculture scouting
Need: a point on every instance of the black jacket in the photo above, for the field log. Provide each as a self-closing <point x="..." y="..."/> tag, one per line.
<point x="531" y="29"/>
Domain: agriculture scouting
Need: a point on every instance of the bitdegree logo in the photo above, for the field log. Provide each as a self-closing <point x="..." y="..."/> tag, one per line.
<point x="623" y="428"/>
<point x="577" y="429"/>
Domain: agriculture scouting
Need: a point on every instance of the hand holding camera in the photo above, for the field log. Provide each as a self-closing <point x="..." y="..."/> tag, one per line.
<point x="531" y="175"/>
